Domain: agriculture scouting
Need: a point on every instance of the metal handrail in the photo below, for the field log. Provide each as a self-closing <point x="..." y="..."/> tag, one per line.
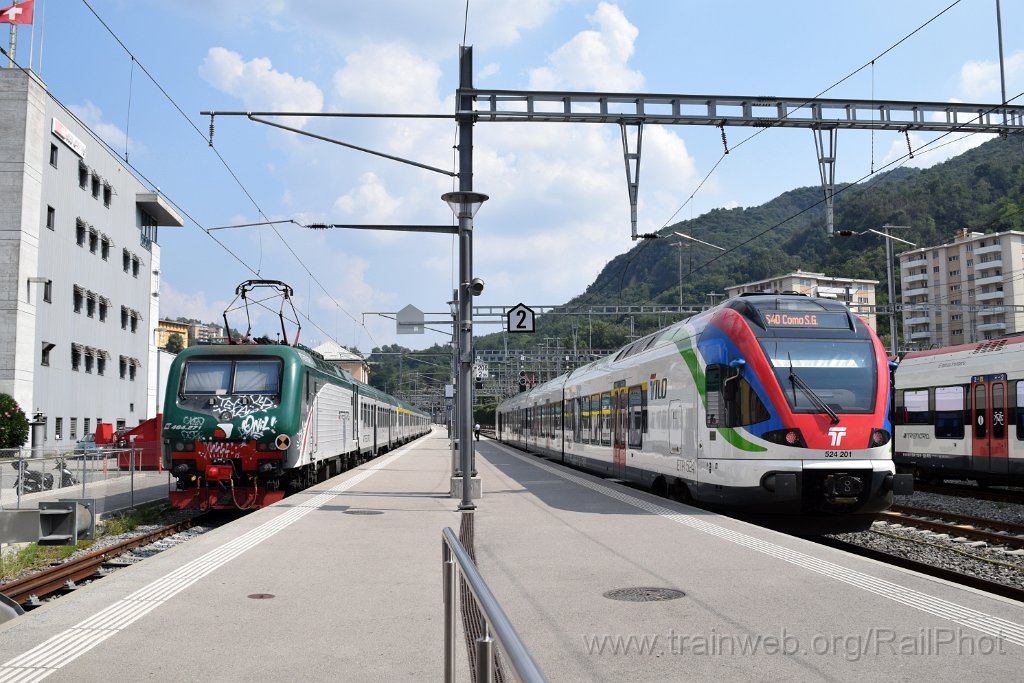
<point x="495" y="621"/>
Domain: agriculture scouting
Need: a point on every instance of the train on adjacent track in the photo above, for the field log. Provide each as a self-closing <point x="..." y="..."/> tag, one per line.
<point x="246" y="423"/>
<point x="773" y="407"/>
<point x="959" y="412"/>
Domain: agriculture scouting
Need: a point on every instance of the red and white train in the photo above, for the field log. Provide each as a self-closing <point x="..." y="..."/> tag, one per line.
<point x="959" y="412"/>
<point x="772" y="405"/>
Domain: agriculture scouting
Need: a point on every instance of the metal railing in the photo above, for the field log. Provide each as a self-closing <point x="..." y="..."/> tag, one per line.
<point x="495" y="621"/>
<point x="110" y="475"/>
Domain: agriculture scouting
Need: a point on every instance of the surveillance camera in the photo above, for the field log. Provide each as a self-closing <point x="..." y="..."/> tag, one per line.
<point x="476" y="287"/>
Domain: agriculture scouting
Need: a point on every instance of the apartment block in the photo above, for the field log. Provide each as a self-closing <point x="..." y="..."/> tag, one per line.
<point x="969" y="290"/>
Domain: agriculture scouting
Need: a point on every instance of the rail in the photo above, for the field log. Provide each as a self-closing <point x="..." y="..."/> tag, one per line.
<point x="495" y="621"/>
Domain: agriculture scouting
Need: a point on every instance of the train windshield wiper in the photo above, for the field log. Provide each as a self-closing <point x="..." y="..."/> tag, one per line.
<point x="799" y="382"/>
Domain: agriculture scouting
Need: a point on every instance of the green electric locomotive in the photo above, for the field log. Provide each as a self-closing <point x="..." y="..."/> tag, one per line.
<point x="244" y="424"/>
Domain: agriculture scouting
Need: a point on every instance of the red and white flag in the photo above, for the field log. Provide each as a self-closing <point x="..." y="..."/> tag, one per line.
<point x="18" y="14"/>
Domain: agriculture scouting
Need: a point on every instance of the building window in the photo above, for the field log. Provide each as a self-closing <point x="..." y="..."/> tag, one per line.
<point x="76" y="356"/>
<point x="120" y="425"/>
<point x="103" y="309"/>
<point x="124" y="367"/>
<point x="58" y="428"/>
<point x="86" y="423"/>
<point x="126" y="260"/>
<point x="970" y="262"/>
<point x="124" y="318"/>
<point x="107" y="193"/>
<point x="90" y="305"/>
<point x="95" y="186"/>
<point x="53" y="155"/>
<point x="105" y="248"/>
<point x="77" y="300"/>
<point x="135" y="266"/>
<point x="94" y="241"/>
<point x="101" y="364"/>
<point x="135" y="322"/>
<point x="80" y="232"/>
<point x="47" y="347"/>
<point x="131" y="372"/>
<point x="51" y="217"/>
<point x="83" y="175"/>
<point x="88" y="362"/>
<point x="73" y="433"/>
<point x="48" y="291"/>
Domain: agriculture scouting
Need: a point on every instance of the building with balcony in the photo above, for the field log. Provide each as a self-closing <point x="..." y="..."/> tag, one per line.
<point x="858" y="294"/>
<point x="168" y="327"/>
<point x="205" y="334"/>
<point x="80" y="283"/>
<point x="966" y="291"/>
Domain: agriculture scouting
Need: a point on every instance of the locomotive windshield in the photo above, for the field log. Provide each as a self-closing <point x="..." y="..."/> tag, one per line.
<point x="841" y="373"/>
<point x="221" y="377"/>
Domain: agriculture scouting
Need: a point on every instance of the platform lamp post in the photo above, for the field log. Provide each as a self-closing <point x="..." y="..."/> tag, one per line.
<point x="465" y="205"/>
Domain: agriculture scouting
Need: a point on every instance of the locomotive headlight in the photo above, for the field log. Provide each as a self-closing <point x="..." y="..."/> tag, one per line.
<point x="179" y="446"/>
<point x="786" y="437"/>
<point x="879" y="437"/>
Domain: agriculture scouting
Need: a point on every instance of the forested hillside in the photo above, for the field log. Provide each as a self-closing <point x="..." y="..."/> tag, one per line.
<point x="981" y="190"/>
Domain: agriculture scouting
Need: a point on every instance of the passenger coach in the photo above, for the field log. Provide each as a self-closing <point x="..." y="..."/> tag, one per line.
<point x="959" y="412"/>
<point x="766" y="404"/>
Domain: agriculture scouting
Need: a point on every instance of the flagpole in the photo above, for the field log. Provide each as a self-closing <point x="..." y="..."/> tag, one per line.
<point x="14" y="42"/>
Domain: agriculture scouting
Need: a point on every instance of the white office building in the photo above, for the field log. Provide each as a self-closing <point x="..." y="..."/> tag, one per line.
<point x="79" y="269"/>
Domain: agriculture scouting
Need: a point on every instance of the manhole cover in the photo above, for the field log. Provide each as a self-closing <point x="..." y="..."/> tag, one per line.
<point x="261" y="596"/>
<point x="644" y="594"/>
<point x="364" y="512"/>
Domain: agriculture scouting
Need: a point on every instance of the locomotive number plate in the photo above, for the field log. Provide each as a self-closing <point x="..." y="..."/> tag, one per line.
<point x="838" y="454"/>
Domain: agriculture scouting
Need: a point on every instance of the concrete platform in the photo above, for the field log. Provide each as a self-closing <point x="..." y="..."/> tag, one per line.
<point x="342" y="583"/>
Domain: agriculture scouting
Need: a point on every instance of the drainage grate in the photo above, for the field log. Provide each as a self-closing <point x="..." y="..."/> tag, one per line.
<point x="261" y="596"/>
<point x="644" y="594"/>
<point x="364" y="512"/>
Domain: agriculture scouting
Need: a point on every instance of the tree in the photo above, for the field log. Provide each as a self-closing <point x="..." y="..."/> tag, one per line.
<point x="13" y="423"/>
<point x="175" y="343"/>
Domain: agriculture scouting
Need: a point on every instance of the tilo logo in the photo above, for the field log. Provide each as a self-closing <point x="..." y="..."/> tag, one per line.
<point x="836" y="434"/>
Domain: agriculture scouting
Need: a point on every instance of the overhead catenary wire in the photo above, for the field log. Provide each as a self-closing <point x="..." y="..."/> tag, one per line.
<point x="234" y="176"/>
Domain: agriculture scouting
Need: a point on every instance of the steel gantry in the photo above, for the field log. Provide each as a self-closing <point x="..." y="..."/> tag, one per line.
<point x="825" y="117"/>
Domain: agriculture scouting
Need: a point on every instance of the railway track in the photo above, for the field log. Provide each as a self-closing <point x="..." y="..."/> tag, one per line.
<point x="967" y="491"/>
<point x="925" y="568"/>
<point x="31" y="590"/>
<point x="977" y="528"/>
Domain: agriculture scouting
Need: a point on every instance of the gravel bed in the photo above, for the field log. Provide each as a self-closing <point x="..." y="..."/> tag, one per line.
<point x="994" y="563"/>
<point x="988" y="509"/>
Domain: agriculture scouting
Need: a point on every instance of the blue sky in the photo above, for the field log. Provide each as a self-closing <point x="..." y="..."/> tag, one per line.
<point x="559" y="209"/>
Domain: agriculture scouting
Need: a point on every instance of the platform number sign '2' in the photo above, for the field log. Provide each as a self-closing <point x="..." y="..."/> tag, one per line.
<point x="520" y="319"/>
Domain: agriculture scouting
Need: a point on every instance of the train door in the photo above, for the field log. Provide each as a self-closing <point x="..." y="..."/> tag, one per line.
<point x="988" y="416"/>
<point x="373" y="419"/>
<point x="314" y="418"/>
<point x="675" y="427"/>
<point x="620" y="421"/>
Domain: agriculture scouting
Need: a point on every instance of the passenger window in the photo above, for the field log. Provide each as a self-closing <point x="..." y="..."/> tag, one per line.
<point x="949" y="412"/>
<point x="914" y="407"/>
<point x="712" y="389"/>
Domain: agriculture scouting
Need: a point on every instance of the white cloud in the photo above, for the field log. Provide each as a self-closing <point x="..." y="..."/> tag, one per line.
<point x="175" y="303"/>
<point x="370" y="201"/>
<point x="92" y="116"/>
<point x="257" y="84"/>
<point x="979" y="80"/>
<point x="594" y="60"/>
<point x="388" y="77"/>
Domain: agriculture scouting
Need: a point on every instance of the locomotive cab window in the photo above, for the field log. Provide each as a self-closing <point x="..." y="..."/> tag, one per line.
<point x="207" y="378"/>
<point x="842" y="374"/>
<point x="257" y="377"/>
<point x="731" y="400"/>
